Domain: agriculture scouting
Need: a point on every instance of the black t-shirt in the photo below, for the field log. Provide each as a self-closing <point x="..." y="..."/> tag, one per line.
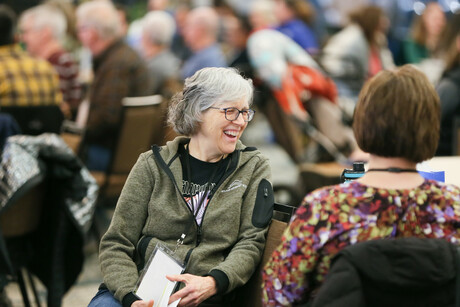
<point x="204" y="177"/>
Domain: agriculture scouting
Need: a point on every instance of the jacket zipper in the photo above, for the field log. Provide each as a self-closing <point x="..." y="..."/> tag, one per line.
<point x="199" y="230"/>
<point x="165" y="167"/>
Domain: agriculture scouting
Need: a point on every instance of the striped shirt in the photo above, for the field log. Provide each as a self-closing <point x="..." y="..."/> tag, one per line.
<point x="25" y="81"/>
<point x="67" y="69"/>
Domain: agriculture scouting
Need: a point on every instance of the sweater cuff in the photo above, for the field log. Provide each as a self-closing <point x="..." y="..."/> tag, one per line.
<point x="221" y="279"/>
<point x="129" y="299"/>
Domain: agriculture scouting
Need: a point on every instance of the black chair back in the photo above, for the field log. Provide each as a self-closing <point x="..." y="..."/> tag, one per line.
<point x="35" y="120"/>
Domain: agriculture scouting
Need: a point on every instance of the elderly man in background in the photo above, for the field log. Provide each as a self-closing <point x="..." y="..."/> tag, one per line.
<point x="43" y="29"/>
<point x="200" y="34"/>
<point x="157" y="33"/>
<point x="24" y="81"/>
<point x="118" y="72"/>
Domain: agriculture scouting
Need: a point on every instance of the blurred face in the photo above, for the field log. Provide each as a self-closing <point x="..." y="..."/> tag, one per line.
<point x="282" y="11"/>
<point x="31" y="37"/>
<point x="434" y="19"/>
<point x="219" y="134"/>
<point x="85" y="34"/>
<point x="192" y="31"/>
<point x="234" y="34"/>
<point x="384" y="24"/>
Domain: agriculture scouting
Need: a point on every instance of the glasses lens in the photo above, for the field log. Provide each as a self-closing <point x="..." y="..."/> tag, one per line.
<point x="231" y="113"/>
<point x="248" y="115"/>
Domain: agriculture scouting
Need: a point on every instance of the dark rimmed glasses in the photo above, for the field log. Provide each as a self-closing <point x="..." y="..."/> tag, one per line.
<point x="232" y="113"/>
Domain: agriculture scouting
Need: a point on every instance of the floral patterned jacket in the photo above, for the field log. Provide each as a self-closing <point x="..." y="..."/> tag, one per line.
<point x="334" y="217"/>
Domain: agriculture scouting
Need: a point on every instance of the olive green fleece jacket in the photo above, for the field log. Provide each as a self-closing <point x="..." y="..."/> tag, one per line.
<point x="151" y="209"/>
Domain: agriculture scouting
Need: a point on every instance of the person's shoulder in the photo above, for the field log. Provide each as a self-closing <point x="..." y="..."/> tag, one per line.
<point x="251" y="153"/>
<point x="124" y="54"/>
<point x="40" y="65"/>
<point x="443" y="189"/>
<point x="338" y="192"/>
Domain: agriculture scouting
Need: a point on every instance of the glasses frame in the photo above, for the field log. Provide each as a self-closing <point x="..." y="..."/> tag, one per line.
<point x="250" y="111"/>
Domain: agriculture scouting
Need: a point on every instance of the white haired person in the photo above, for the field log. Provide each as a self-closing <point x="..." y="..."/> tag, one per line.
<point x="200" y="35"/>
<point x="205" y="185"/>
<point x="43" y="30"/>
<point x="157" y="34"/>
<point x="118" y="72"/>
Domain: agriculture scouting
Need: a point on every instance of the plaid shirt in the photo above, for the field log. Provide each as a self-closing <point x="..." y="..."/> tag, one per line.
<point x="25" y="81"/>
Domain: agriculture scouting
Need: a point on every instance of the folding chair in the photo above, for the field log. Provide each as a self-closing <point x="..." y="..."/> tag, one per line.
<point x="18" y="220"/>
<point x="141" y="118"/>
<point x="143" y="122"/>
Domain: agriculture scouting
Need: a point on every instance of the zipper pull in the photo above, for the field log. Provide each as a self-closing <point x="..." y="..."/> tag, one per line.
<point x="180" y="241"/>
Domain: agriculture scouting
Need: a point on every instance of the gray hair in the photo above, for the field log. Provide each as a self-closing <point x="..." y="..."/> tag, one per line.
<point x="207" y="87"/>
<point x="159" y="27"/>
<point x="45" y="15"/>
<point x="103" y="16"/>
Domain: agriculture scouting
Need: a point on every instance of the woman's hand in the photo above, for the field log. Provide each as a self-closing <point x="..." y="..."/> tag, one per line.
<point x="142" y="304"/>
<point x="196" y="290"/>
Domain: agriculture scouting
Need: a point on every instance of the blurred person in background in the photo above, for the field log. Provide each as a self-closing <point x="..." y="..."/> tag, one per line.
<point x="295" y="18"/>
<point x="262" y="15"/>
<point x="71" y="42"/>
<point x="24" y="80"/>
<point x="425" y="33"/>
<point x="200" y="34"/>
<point x="118" y="72"/>
<point x="422" y="47"/>
<point x="157" y="33"/>
<point x="43" y="30"/>
<point x="237" y="31"/>
<point x="358" y="51"/>
<point x="397" y="122"/>
<point x="304" y="93"/>
<point x="134" y="31"/>
<point x="449" y="86"/>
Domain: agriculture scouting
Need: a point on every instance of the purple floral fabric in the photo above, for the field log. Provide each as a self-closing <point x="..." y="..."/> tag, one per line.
<point x="331" y="218"/>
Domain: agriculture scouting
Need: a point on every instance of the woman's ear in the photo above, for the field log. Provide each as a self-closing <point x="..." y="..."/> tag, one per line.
<point x="458" y="43"/>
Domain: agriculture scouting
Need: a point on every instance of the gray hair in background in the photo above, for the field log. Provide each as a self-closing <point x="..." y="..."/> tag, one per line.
<point x="103" y="16"/>
<point x="43" y="16"/>
<point x="159" y="27"/>
<point x="206" y="88"/>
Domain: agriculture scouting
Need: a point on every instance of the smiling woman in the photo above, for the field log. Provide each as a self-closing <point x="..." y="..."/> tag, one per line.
<point x="204" y="188"/>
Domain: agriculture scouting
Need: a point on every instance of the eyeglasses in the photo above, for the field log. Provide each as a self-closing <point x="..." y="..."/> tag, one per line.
<point x="232" y="113"/>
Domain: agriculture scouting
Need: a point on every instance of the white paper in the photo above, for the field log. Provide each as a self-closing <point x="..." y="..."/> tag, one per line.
<point x="154" y="284"/>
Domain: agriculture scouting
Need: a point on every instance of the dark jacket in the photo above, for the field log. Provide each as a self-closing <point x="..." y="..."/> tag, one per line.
<point x="118" y="72"/>
<point x="394" y="272"/>
<point x="449" y="93"/>
<point x="69" y="204"/>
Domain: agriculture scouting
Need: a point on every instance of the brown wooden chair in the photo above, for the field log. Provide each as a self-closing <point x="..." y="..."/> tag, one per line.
<point x="250" y="295"/>
<point x="142" y="122"/>
<point x="317" y="175"/>
<point x="18" y="220"/>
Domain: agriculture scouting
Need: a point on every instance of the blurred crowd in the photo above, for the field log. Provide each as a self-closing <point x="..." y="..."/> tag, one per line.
<point x="308" y="60"/>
